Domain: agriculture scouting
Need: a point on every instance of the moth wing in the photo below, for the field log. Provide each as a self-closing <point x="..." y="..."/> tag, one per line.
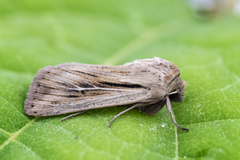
<point x="74" y="87"/>
<point x="155" y="71"/>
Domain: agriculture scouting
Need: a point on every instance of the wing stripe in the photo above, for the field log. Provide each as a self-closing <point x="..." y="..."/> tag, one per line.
<point x="122" y="85"/>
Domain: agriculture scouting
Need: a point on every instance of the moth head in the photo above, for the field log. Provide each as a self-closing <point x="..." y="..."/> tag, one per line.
<point x="175" y="85"/>
<point x="179" y="88"/>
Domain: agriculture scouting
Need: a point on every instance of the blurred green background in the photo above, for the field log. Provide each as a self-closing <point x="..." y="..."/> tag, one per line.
<point x="34" y="34"/>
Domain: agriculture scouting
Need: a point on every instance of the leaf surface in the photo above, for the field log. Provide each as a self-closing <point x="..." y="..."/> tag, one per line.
<point x="34" y="34"/>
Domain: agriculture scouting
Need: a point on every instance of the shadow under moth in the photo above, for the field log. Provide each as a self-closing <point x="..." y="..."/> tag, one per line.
<point x="146" y="85"/>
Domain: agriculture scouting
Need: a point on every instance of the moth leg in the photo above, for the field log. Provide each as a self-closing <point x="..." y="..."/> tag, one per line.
<point x="168" y="104"/>
<point x="104" y="110"/>
<point x="75" y="114"/>
<point x="119" y="114"/>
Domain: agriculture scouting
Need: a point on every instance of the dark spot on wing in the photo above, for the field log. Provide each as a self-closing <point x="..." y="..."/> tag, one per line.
<point x="122" y="85"/>
<point x="72" y="96"/>
<point x="87" y="73"/>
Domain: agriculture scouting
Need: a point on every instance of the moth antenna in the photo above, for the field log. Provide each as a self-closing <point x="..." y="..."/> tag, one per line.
<point x="72" y="115"/>
<point x="168" y="104"/>
<point x="119" y="114"/>
<point x="173" y="92"/>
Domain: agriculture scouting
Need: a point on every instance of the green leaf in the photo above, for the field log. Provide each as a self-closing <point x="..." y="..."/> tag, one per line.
<point x="34" y="34"/>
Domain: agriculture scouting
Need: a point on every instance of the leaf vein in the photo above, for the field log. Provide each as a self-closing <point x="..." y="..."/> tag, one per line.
<point x="29" y="149"/>
<point x="6" y="101"/>
<point x="16" y="134"/>
<point x="6" y="132"/>
<point x="143" y="40"/>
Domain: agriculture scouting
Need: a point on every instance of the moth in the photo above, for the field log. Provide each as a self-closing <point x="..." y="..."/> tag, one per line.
<point x="147" y="85"/>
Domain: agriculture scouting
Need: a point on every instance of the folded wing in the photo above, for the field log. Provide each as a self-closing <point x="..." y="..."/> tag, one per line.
<point x="74" y="87"/>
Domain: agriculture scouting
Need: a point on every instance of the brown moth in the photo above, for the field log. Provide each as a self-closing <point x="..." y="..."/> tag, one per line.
<point x="146" y="85"/>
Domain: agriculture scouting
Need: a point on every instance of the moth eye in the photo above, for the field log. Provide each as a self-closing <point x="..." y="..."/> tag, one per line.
<point x="82" y="92"/>
<point x="32" y="106"/>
